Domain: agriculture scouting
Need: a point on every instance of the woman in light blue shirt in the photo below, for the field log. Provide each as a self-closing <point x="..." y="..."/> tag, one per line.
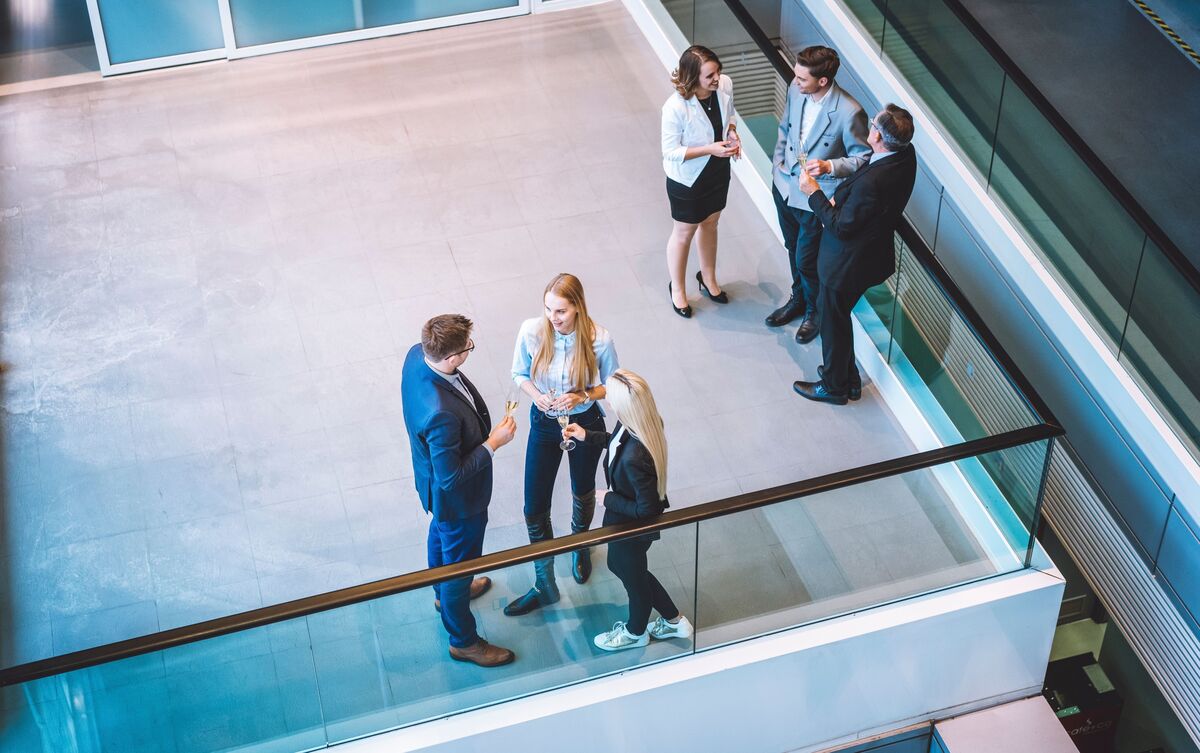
<point x="561" y="360"/>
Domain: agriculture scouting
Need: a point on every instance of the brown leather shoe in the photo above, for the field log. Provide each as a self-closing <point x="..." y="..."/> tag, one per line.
<point x="479" y="587"/>
<point x="483" y="653"/>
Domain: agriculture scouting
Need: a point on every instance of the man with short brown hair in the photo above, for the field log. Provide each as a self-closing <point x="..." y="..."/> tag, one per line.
<point x="822" y="134"/>
<point x="452" y="443"/>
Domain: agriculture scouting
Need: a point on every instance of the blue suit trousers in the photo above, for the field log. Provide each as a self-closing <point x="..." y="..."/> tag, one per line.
<point x="453" y="541"/>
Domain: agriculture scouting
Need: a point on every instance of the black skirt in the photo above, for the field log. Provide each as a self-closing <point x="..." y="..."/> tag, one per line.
<point x="694" y="204"/>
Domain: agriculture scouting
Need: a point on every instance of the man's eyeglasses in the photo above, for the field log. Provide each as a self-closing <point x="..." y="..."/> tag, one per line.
<point x="470" y="347"/>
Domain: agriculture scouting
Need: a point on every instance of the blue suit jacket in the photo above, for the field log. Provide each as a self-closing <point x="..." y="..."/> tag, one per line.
<point x="452" y="468"/>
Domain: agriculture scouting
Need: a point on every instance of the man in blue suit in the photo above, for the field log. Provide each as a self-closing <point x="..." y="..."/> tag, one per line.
<point x="452" y="440"/>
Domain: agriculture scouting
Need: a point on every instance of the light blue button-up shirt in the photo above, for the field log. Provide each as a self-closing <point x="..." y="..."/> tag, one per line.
<point x="558" y="374"/>
<point x="876" y="156"/>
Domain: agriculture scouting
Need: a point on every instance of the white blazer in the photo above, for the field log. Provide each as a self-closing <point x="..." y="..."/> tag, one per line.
<point x="684" y="124"/>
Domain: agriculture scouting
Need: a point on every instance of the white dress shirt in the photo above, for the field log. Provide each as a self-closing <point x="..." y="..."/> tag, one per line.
<point x="557" y="375"/>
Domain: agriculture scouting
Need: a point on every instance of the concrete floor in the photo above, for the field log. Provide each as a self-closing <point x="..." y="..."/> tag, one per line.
<point x="210" y="275"/>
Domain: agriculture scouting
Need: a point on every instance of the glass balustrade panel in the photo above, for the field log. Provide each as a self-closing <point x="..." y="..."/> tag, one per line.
<point x="837" y="552"/>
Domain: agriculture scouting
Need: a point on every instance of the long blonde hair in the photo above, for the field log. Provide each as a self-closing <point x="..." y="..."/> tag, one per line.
<point x="631" y="398"/>
<point x="583" y="361"/>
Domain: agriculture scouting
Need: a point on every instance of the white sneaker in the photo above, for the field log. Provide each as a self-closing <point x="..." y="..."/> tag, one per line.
<point x="660" y="629"/>
<point x="619" y="638"/>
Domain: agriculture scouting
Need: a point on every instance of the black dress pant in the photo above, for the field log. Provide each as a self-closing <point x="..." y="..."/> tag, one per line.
<point x="627" y="561"/>
<point x="837" y="339"/>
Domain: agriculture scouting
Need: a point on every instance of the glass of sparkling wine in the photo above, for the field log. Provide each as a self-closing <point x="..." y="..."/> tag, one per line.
<point x="803" y="157"/>
<point x="563" y="420"/>
<point x="512" y="399"/>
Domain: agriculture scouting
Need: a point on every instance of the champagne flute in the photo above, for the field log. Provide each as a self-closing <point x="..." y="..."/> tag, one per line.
<point x="566" y="444"/>
<point x="512" y="399"/>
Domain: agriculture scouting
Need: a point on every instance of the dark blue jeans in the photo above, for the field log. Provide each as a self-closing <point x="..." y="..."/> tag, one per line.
<point x="802" y="238"/>
<point x="453" y="541"/>
<point x="543" y="457"/>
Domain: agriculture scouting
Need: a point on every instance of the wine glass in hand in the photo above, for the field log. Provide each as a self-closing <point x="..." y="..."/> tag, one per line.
<point x="512" y="400"/>
<point x="567" y="444"/>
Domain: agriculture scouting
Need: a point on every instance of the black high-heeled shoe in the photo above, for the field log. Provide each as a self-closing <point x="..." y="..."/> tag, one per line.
<point x="722" y="298"/>
<point x="685" y="312"/>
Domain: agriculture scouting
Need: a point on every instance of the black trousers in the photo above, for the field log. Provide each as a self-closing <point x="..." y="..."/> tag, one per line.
<point x="837" y="339"/>
<point x="627" y="561"/>
<point x="802" y="238"/>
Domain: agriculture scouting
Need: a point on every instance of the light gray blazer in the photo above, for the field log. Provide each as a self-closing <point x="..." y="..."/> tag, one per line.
<point x="839" y="135"/>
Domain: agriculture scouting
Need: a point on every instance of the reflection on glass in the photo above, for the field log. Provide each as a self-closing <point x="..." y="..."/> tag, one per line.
<point x="951" y="72"/>
<point x="1159" y="344"/>
<point x="265" y="21"/>
<point x="344" y="673"/>
<point x="957" y="383"/>
<point x="870" y="14"/>
<point x="1067" y="213"/>
<point x="146" y="29"/>
<point x="832" y="553"/>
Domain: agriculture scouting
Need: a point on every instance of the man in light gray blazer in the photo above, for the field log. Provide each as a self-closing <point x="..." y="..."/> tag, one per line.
<point x="823" y="131"/>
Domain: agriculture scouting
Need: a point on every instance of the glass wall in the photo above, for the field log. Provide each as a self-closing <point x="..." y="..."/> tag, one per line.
<point x="143" y="34"/>
<point x="258" y="22"/>
<point x="1139" y="300"/>
<point x="145" y="29"/>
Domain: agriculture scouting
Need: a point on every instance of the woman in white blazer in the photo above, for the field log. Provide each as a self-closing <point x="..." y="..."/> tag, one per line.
<point x="699" y="137"/>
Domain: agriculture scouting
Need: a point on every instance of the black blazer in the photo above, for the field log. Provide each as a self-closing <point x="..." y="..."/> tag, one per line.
<point x="451" y="467"/>
<point x="857" y="247"/>
<point x="632" y="479"/>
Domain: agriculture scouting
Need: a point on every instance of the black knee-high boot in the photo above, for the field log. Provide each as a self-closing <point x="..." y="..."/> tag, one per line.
<point x="583" y="507"/>
<point x="545" y="590"/>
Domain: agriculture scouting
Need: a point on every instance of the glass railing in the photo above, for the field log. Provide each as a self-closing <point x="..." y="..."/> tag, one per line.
<point x="368" y="659"/>
<point x="363" y="660"/>
<point x="1133" y="283"/>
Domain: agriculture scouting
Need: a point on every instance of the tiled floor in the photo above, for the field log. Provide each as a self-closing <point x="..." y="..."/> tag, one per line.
<point x="210" y="275"/>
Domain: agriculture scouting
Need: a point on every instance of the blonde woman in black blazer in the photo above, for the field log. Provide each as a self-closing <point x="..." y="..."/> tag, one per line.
<point x="635" y="467"/>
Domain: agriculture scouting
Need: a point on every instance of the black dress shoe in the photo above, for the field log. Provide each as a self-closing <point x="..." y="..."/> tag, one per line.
<point x="532" y="600"/>
<point x="808" y="330"/>
<point x="685" y="312"/>
<point x="816" y="391"/>
<point x="722" y="298"/>
<point x="581" y="565"/>
<point x="855" y="391"/>
<point x="786" y="314"/>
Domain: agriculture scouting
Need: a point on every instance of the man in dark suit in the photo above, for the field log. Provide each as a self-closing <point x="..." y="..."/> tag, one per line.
<point x="449" y="431"/>
<point x="857" y="248"/>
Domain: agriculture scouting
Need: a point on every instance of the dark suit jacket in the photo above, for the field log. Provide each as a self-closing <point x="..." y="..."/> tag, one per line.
<point x="857" y="247"/>
<point x="452" y="468"/>
<point x="632" y="479"/>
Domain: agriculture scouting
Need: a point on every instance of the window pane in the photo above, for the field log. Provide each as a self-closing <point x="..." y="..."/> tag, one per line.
<point x="145" y="29"/>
